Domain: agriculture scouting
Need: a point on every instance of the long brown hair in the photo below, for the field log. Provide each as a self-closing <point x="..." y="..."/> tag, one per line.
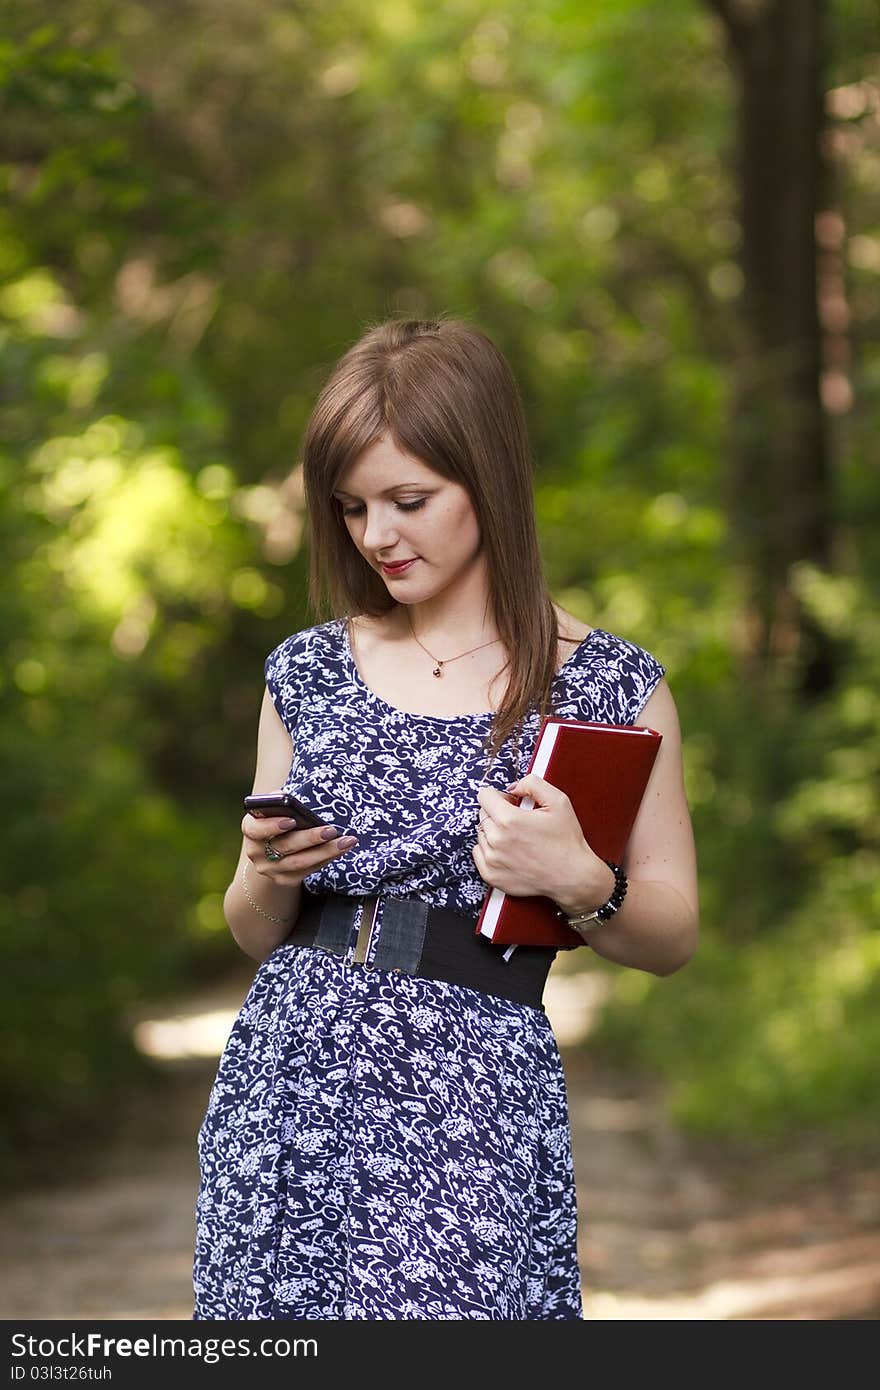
<point x="445" y="394"/>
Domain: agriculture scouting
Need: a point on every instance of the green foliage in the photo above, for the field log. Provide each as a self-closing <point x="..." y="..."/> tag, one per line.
<point x="202" y="207"/>
<point x="120" y="576"/>
<point x="775" y="1024"/>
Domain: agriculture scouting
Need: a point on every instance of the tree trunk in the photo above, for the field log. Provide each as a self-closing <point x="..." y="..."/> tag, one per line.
<point x="780" y="481"/>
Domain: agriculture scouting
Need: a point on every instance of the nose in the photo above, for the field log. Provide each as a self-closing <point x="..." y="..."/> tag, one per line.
<point x="380" y="530"/>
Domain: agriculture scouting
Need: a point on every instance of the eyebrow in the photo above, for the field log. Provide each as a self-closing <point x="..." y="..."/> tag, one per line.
<point x="422" y="487"/>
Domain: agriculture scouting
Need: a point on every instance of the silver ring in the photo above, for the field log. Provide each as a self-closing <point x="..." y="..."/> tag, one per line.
<point x="271" y="852"/>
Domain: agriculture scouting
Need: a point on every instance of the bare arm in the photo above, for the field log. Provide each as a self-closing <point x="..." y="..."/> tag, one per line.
<point x="657" y="927"/>
<point x="276" y="888"/>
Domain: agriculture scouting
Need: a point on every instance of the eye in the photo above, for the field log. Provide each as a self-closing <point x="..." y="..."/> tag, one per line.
<point x="404" y="507"/>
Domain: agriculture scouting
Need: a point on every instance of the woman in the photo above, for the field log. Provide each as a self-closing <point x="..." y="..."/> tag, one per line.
<point x="387" y="1135"/>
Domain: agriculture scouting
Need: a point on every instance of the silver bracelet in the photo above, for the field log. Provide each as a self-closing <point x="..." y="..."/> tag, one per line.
<point x="596" y="916"/>
<point x="282" y="921"/>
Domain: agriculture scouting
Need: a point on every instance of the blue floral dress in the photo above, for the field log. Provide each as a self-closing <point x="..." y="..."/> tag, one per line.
<point x="379" y="1145"/>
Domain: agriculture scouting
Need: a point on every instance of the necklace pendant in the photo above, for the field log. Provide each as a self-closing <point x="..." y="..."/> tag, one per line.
<point x="437" y="671"/>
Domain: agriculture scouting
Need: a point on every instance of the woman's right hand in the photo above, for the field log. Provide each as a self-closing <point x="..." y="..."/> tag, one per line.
<point x="302" y="851"/>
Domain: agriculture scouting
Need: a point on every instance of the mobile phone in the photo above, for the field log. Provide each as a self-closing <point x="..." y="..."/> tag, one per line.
<point x="282" y="804"/>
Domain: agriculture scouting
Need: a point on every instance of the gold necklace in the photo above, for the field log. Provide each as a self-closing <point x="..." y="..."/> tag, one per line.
<point x="437" y="671"/>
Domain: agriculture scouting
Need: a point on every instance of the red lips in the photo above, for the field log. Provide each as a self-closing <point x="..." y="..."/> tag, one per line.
<point x="400" y="566"/>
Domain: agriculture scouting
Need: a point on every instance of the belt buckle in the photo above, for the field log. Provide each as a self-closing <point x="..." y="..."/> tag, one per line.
<point x="369" y="912"/>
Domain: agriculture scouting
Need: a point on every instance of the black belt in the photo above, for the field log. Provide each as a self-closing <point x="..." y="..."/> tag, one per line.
<point x="416" y="938"/>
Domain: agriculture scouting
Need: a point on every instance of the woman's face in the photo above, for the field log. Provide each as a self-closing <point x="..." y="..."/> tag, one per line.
<point x="397" y="508"/>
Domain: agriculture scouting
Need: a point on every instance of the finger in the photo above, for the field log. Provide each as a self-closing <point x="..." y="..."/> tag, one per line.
<point x="484" y="829"/>
<point x="284" y="839"/>
<point x="542" y="793"/>
<point x="299" y="863"/>
<point x="264" y="827"/>
<point x="493" y="802"/>
<point x="296" y="841"/>
<point x="484" y="843"/>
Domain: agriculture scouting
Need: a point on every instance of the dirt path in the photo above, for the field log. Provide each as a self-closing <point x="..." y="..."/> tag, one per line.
<point x="666" y="1233"/>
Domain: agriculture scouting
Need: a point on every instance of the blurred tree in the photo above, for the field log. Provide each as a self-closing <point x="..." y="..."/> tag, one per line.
<point x="203" y="204"/>
<point x="781" y="489"/>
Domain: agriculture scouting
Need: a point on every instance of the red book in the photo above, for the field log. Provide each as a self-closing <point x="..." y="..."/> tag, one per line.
<point x="603" y="770"/>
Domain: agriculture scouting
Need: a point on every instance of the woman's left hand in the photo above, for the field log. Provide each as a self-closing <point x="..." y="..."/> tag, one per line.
<point x="535" y="850"/>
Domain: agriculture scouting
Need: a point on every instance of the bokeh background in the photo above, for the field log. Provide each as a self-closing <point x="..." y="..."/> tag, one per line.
<point x="667" y="214"/>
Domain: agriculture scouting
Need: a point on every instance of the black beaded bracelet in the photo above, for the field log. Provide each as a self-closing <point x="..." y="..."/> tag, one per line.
<point x="620" y="886"/>
<point x="608" y="909"/>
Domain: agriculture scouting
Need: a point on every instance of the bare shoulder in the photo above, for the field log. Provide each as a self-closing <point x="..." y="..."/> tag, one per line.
<point x="365" y="622"/>
<point x="373" y="633"/>
<point x="571" y="629"/>
<point x="660" y="712"/>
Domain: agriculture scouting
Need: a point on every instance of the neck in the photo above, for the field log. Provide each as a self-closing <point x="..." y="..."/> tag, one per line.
<point x="450" y="629"/>
<point x="452" y="620"/>
<point x="445" y="645"/>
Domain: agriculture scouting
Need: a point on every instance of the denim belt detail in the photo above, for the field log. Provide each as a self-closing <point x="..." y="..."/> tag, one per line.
<point x="378" y="932"/>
